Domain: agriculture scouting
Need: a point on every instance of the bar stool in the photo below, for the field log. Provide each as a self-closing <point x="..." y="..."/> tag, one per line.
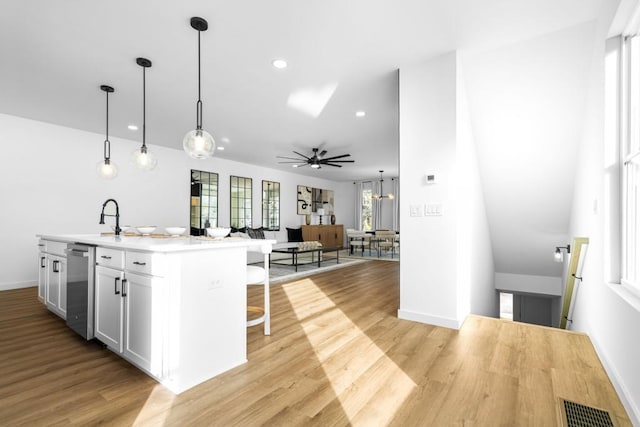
<point x="259" y="276"/>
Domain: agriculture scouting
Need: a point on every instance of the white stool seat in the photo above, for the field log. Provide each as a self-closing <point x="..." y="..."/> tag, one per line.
<point x="259" y="276"/>
<point x="255" y="275"/>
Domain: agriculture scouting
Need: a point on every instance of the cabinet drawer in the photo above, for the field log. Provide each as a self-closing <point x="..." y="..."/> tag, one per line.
<point x="113" y="258"/>
<point x="55" y="248"/>
<point x="146" y="263"/>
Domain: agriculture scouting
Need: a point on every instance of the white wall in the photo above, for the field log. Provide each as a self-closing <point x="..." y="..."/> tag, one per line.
<point x="528" y="283"/>
<point x="447" y="264"/>
<point x="602" y="310"/>
<point x="476" y="259"/>
<point x="428" y="280"/>
<point x="49" y="185"/>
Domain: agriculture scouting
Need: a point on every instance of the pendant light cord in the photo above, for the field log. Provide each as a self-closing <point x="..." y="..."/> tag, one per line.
<point x="144" y="110"/>
<point x="199" y="103"/>
<point x="107" y="143"/>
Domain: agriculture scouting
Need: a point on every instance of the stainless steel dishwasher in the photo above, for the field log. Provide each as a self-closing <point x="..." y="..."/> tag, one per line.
<point x="81" y="261"/>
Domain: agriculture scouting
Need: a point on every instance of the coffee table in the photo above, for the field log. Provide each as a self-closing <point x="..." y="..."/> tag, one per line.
<point x="295" y="251"/>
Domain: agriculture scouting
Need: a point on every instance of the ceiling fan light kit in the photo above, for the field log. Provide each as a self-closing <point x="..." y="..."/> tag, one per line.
<point x="316" y="160"/>
<point x="106" y="168"/>
<point x="143" y="159"/>
<point x="199" y="143"/>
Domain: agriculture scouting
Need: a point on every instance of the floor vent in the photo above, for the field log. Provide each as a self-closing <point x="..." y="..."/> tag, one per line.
<point x="577" y="415"/>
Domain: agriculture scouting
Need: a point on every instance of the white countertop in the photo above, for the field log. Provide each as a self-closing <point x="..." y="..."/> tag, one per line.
<point x="167" y="244"/>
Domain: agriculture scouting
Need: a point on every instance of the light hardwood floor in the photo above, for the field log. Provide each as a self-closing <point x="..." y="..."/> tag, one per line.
<point x="338" y="355"/>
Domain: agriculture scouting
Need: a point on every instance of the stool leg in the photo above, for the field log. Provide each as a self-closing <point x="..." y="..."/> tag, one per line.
<point x="267" y="300"/>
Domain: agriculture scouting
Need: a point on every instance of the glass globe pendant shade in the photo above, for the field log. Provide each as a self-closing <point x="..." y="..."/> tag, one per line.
<point x="199" y="144"/>
<point x="107" y="169"/>
<point x="143" y="159"/>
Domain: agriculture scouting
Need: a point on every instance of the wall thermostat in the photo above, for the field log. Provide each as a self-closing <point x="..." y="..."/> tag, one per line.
<point x="430" y="178"/>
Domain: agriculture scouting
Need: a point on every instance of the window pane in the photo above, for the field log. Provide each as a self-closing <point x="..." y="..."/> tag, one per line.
<point x="203" y="201"/>
<point x="367" y="213"/>
<point x="241" y="198"/>
<point x="270" y="205"/>
<point x="631" y="166"/>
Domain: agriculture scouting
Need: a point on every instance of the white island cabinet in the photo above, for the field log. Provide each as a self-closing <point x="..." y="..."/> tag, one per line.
<point x="52" y="276"/>
<point x="174" y="307"/>
<point x="126" y="318"/>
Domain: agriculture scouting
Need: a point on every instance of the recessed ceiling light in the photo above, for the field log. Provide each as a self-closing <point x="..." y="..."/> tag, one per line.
<point x="132" y="127"/>
<point x="294" y="166"/>
<point x="220" y="147"/>
<point x="360" y="114"/>
<point x="279" y="63"/>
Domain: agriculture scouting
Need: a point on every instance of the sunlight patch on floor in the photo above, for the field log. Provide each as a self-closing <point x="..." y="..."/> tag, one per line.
<point x="160" y="401"/>
<point x="370" y="386"/>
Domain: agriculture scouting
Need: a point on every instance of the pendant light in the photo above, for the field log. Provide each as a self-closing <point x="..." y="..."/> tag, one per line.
<point x="143" y="159"/>
<point x="199" y="143"/>
<point x="106" y="168"/>
<point x="382" y="195"/>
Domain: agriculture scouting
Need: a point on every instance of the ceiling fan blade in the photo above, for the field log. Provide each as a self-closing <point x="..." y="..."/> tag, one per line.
<point x="322" y="153"/>
<point x="302" y="155"/>
<point x="289" y="158"/>
<point x="296" y="161"/>
<point x="337" y="157"/>
<point x="331" y="164"/>
<point x="324" y="161"/>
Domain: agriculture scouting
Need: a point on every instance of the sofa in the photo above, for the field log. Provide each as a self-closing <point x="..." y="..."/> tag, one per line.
<point x="283" y="238"/>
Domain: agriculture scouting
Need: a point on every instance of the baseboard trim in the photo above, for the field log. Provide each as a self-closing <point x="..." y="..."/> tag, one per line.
<point x="18" y="285"/>
<point x="630" y="405"/>
<point x="429" y="319"/>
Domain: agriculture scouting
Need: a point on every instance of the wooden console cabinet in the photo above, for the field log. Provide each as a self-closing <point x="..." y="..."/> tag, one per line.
<point x="328" y="235"/>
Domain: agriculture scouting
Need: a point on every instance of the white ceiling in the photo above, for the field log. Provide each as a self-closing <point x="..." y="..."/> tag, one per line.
<point x="55" y="55"/>
<point x="526" y="64"/>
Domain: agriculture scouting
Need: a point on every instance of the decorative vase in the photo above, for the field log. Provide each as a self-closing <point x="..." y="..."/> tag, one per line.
<point x="307" y="219"/>
<point x="333" y="219"/>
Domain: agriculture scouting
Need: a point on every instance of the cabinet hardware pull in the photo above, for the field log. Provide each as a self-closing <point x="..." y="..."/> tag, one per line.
<point x="124" y="282"/>
<point x="55" y="266"/>
<point x="105" y="257"/>
<point x="42" y="262"/>
<point x="139" y="263"/>
<point x="115" y="286"/>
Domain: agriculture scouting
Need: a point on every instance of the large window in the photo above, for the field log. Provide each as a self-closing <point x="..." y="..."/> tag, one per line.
<point x="271" y="205"/>
<point x="630" y="151"/>
<point x="241" y="197"/>
<point x="367" y="209"/>
<point x="204" y="201"/>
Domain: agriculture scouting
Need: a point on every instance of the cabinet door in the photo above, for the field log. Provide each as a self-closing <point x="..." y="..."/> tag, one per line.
<point x="56" y="285"/>
<point x="310" y="233"/>
<point x="108" y="309"/>
<point x="142" y="332"/>
<point x="328" y="235"/>
<point x="43" y="270"/>
<point x="339" y="235"/>
<point x="53" y="291"/>
<point x="62" y="286"/>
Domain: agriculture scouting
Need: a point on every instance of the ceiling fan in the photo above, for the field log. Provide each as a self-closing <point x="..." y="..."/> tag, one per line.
<point x="316" y="159"/>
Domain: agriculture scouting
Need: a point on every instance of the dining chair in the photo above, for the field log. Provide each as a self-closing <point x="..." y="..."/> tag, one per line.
<point x="385" y="240"/>
<point x="358" y="239"/>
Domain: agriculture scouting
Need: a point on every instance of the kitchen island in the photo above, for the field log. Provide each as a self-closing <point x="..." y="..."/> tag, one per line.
<point x="175" y="307"/>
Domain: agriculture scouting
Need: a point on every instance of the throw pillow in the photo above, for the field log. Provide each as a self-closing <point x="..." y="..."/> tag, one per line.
<point x="255" y="233"/>
<point x="294" y="234"/>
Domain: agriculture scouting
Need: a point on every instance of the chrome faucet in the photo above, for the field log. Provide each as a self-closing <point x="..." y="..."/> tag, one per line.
<point x="117" y="215"/>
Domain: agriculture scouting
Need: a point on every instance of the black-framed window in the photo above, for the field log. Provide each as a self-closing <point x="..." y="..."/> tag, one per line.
<point x="271" y="205"/>
<point x="241" y="198"/>
<point x="203" y="204"/>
